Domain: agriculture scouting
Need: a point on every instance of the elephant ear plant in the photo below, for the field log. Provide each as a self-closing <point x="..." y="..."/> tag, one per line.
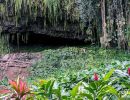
<point x="44" y="89"/>
<point x="17" y="91"/>
<point x="97" y="90"/>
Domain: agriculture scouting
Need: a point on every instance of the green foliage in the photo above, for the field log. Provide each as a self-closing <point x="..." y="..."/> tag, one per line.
<point x="108" y="75"/>
<point x="102" y="89"/>
<point x="71" y="79"/>
<point x="81" y="16"/>
<point x="4" y="47"/>
<point x="50" y="10"/>
<point x="107" y="87"/>
<point x="58" y="62"/>
<point x="44" y="90"/>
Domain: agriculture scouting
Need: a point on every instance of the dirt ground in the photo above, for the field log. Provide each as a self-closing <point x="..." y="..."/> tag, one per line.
<point x="16" y="64"/>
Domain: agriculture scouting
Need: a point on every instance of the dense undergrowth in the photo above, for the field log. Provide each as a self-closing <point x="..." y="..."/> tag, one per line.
<point x="112" y="86"/>
<point x="64" y="61"/>
<point x="74" y="73"/>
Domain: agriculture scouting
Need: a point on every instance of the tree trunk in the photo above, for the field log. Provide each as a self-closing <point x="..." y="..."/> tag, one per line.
<point x="121" y="22"/>
<point x="104" y="38"/>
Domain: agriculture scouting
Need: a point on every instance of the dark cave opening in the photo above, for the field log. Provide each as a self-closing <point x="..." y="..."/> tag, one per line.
<point x="46" y="40"/>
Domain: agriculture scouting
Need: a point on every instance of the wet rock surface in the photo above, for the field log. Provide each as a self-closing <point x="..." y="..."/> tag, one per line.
<point x="16" y="64"/>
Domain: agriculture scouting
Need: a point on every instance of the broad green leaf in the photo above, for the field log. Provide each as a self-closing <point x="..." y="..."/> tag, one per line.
<point x="93" y="85"/>
<point x="65" y="98"/>
<point x="75" y="90"/>
<point x="57" y="92"/>
<point x="89" y="89"/>
<point x="127" y="85"/>
<point x="89" y="96"/>
<point x="108" y="75"/>
<point x="51" y="86"/>
<point x="126" y="95"/>
<point x="48" y="85"/>
<point x="108" y="90"/>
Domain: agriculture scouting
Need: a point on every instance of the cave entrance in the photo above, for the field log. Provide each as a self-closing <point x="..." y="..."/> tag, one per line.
<point x="42" y="39"/>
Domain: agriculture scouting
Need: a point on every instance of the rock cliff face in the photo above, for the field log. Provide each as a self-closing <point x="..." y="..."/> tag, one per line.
<point x="66" y="19"/>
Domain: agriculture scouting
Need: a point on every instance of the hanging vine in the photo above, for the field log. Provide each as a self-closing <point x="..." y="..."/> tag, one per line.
<point x="54" y="13"/>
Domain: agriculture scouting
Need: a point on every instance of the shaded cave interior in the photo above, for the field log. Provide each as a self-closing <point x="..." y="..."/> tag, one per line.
<point x="47" y="40"/>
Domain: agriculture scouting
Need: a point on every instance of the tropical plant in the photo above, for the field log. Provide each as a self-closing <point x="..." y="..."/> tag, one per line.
<point x="98" y="89"/>
<point x="112" y="86"/>
<point x="95" y="90"/>
<point x="18" y="90"/>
